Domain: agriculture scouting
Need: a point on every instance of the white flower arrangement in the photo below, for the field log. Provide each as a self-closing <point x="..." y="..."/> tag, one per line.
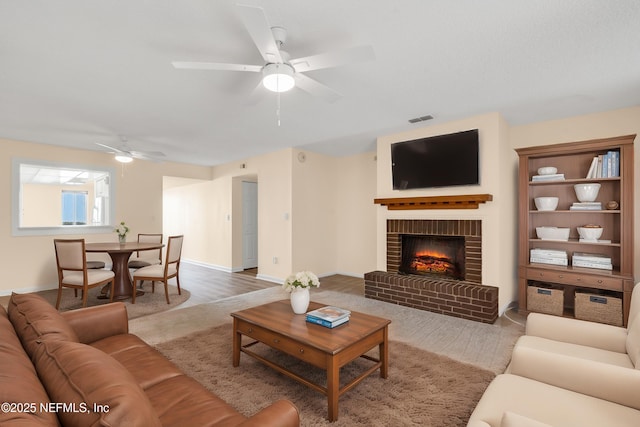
<point x="302" y="279"/>
<point x="121" y="229"/>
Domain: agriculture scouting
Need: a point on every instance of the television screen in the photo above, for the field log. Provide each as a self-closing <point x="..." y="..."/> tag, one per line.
<point x="437" y="161"/>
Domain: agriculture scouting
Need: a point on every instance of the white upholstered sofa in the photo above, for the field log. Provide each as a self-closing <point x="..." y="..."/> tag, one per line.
<point x="568" y="372"/>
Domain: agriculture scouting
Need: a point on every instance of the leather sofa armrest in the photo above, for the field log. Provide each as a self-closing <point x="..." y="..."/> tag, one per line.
<point x="282" y="413"/>
<point x="98" y="322"/>
<point x="597" y="379"/>
<point x="590" y="334"/>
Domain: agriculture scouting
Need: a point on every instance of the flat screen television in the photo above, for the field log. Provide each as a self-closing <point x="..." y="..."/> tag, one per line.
<point x="436" y="161"/>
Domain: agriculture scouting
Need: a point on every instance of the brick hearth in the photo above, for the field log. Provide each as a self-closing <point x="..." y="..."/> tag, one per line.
<point x="467" y="298"/>
<point x="454" y="298"/>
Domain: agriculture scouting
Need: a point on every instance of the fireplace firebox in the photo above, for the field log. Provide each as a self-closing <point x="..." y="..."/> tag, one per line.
<point x="464" y="297"/>
<point x="437" y="256"/>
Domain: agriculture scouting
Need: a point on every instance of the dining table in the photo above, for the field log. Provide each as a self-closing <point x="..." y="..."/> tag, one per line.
<point x="120" y="254"/>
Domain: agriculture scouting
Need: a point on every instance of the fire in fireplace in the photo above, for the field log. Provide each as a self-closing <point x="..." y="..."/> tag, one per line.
<point x="433" y="255"/>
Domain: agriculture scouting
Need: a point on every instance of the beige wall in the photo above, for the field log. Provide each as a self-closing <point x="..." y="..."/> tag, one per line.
<point x="138" y="203"/>
<point x="333" y="213"/>
<point x="314" y="215"/>
<point x="592" y="126"/>
<point x="356" y="219"/>
<point x="42" y="203"/>
<point x="498" y="171"/>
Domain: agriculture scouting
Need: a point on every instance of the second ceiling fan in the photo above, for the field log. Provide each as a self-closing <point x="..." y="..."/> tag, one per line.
<point x="280" y="73"/>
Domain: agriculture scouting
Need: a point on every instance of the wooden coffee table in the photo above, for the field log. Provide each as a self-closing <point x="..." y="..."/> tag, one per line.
<point x="276" y="326"/>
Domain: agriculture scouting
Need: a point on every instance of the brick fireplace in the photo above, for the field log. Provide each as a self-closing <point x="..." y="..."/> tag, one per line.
<point x="463" y="297"/>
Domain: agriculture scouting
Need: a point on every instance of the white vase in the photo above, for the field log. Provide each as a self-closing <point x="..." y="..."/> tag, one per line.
<point x="300" y="300"/>
<point x="122" y="239"/>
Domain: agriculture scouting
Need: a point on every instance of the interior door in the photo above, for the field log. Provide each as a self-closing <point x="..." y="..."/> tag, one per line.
<point x="249" y="224"/>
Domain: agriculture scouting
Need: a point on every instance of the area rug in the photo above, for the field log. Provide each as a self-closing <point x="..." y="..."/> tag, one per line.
<point x="146" y="304"/>
<point x="422" y="389"/>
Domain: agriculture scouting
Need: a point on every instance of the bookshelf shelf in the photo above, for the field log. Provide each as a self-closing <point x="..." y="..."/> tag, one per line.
<point x="574" y="160"/>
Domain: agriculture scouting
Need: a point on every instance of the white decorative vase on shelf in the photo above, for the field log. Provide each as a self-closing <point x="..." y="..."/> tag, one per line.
<point x="300" y="300"/>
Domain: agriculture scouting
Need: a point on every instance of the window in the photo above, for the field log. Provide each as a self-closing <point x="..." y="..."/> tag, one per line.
<point x="58" y="198"/>
<point x="74" y="207"/>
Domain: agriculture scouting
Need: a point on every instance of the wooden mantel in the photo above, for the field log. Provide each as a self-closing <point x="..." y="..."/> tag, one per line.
<point x="466" y="201"/>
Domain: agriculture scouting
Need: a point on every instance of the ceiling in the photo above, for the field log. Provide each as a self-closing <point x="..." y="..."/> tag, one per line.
<point x="80" y="72"/>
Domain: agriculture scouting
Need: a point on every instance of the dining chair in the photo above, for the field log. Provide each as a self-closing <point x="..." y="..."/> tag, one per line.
<point x="162" y="272"/>
<point x="148" y="257"/>
<point x="71" y="260"/>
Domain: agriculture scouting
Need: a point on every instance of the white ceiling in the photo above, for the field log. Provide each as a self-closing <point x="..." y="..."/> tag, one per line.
<point x="77" y="72"/>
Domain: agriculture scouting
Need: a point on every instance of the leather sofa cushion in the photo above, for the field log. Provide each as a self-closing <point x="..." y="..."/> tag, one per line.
<point x="183" y="398"/>
<point x="35" y="319"/>
<point x="82" y="376"/>
<point x="145" y="363"/>
<point x="20" y="383"/>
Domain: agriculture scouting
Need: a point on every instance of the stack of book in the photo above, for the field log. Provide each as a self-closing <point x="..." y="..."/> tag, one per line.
<point x="586" y="206"/>
<point x="328" y="316"/>
<point x="550" y="177"/>
<point x="581" y="259"/>
<point x="549" y="256"/>
<point x="605" y="165"/>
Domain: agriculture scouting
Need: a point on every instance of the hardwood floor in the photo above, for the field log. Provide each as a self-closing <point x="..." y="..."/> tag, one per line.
<point x="208" y="285"/>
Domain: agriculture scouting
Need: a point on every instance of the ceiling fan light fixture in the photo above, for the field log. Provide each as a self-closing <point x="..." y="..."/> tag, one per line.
<point x="278" y="77"/>
<point x="124" y="158"/>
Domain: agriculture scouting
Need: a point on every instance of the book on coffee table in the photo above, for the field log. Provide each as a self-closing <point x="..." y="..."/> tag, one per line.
<point x="326" y="323"/>
<point x="329" y="313"/>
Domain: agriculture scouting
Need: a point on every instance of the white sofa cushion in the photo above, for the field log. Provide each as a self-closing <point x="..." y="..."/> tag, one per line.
<point x="511" y="419"/>
<point x="633" y="342"/>
<point x="548" y="404"/>
<point x="574" y="350"/>
<point x="602" y="380"/>
<point x="582" y="332"/>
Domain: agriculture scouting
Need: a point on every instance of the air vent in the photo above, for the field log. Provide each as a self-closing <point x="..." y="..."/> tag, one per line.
<point x="421" y="119"/>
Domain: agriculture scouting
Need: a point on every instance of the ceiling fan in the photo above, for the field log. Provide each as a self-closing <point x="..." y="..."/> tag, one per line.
<point x="280" y="73"/>
<point x="124" y="154"/>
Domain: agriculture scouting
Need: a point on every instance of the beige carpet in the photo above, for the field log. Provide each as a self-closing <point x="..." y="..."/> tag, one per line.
<point x="145" y="305"/>
<point x="423" y="388"/>
<point x="485" y="346"/>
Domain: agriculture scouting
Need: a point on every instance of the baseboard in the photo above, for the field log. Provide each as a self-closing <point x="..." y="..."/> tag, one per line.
<point x="266" y="278"/>
<point x="343" y="273"/>
<point x="29" y="290"/>
<point x="211" y="266"/>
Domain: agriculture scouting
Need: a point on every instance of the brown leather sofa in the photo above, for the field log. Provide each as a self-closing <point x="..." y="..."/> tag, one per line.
<point x="83" y="368"/>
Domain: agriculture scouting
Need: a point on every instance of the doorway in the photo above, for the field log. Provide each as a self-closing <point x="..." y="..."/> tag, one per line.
<point x="249" y="225"/>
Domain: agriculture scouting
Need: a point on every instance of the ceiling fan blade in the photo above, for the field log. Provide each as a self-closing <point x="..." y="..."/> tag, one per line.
<point x="216" y="66"/>
<point x="117" y="150"/>
<point x="334" y="59"/>
<point x="255" y="20"/>
<point x="316" y="88"/>
<point x="148" y="154"/>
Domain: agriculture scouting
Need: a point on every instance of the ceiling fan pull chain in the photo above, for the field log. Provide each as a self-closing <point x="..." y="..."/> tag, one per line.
<point x="278" y="108"/>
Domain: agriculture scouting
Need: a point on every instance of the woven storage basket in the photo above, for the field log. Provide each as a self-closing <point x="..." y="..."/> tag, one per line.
<point x="598" y="308"/>
<point x="545" y="300"/>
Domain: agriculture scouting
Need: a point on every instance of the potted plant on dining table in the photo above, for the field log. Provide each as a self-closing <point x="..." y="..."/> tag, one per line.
<point x="122" y="231"/>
